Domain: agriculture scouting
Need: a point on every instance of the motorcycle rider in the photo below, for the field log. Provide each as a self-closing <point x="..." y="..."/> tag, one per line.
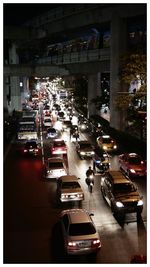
<point x="89" y="172"/>
<point x="90" y="178"/>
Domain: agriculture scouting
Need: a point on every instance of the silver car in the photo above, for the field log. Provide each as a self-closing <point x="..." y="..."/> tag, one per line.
<point x="79" y="232"/>
<point x="55" y="167"/>
<point x="69" y="189"/>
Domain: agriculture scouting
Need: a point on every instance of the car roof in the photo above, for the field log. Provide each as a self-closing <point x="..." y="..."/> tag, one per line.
<point x="133" y="155"/>
<point x="59" y="140"/>
<point x="77" y="215"/>
<point x="117" y="177"/>
<point x="55" y="159"/>
<point x="68" y="178"/>
<point x="84" y="142"/>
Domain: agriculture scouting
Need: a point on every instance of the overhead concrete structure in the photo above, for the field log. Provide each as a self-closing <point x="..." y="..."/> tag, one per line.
<point x="69" y="20"/>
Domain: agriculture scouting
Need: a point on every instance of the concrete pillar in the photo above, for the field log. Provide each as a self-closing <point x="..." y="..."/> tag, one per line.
<point x="94" y="90"/>
<point x="15" y="92"/>
<point x="25" y="93"/>
<point x="118" y="48"/>
<point x="15" y="102"/>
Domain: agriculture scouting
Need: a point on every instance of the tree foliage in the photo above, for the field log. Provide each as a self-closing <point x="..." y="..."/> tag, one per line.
<point x="132" y="68"/>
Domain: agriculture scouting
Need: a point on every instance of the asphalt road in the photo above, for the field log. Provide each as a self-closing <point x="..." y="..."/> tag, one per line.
<point x="31" y="215"/>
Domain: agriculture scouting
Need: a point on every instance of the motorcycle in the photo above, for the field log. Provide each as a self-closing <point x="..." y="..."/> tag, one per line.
<point x="90" y="182"/>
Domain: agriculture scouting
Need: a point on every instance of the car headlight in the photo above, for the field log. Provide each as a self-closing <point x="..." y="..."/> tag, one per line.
<point x="140" y="202"/>
<point x="82" y="153"/>
<point x="119" y="204"/>
<point x="104" y="147"/>
<point x="92" y="152"/>
<point x="115" y="146"/>
<point x="132" y="170"/>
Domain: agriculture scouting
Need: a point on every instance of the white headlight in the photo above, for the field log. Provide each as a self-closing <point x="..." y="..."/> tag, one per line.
<point x="140" y="202"/>
<point x="119" y="204"/>
<point x="131" y="170"/>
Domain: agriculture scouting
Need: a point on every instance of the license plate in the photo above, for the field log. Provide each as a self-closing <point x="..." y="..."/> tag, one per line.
<point x="84" y="244"/>
<point x="72" y="196"/>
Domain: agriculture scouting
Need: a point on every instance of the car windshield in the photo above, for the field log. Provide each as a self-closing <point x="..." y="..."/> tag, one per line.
<point x="31" y="145"/>
<point x="81" y="229"/>
<point x="106" y="140"/>
<point x="47" y="120"/>
<point x="51" y="130"/>
<point x="135" y="160"/>
<point x="82" y="146"/>
<point x="124" y="188"/>
<point x="55" y="165"/>
<point x="58" y="144"/>
<point x="67" y="185"/>
<point x="67" y="122"/>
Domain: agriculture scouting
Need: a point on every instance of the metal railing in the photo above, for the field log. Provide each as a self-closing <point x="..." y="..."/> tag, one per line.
<point x="77" y="57"/>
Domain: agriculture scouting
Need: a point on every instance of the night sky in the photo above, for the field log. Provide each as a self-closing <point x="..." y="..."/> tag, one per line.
<point x="17" y="14"/>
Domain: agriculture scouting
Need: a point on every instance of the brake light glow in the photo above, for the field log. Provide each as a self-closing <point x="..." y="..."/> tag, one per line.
<point x="71" y="244"/>
<point x="96" y="243"/>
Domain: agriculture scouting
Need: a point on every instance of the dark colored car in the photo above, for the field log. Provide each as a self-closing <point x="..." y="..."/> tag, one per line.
<point x="31" y="148"/>
<point x="85" y="149"/>
<point x="121" y="194"/>
<point x="52" y="133"/>
<point x="101" y="161"/>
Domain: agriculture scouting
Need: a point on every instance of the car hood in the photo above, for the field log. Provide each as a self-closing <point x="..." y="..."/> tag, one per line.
<point x="137" y="167"/>
<point x="126" y="197"/>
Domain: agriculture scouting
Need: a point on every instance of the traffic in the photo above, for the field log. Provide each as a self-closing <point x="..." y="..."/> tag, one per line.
<point x="90" y="200"/>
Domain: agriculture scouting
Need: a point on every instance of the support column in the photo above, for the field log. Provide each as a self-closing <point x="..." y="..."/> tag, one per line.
<point x="118" y="48"/>
<point x="94" y="90"/>
<point x="15" y="94"/>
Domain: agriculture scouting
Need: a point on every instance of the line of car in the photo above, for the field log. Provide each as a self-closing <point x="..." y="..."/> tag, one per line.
<point x="80" y="235"/>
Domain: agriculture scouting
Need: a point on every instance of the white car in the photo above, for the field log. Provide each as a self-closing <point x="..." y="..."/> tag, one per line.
<point x="47" y="122"/>
<point x="55" y="167"/>
<point x="69" y="189"/>
<point x="79" y="232"/>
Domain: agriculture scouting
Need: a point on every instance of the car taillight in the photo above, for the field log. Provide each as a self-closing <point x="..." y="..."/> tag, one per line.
<point x="72" y="244"/>
<point x="25" y="150"/>
<point x="96" y="243"/>
<point x="36" y="150"/>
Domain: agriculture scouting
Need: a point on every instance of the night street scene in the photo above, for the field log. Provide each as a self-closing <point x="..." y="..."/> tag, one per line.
<point x="75" y="133"/>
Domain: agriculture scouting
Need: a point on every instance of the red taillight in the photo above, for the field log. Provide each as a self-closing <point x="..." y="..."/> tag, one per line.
<point x="142" y="162"/>
<point x="36" y="150"/>
<point x="25" y="150"/>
